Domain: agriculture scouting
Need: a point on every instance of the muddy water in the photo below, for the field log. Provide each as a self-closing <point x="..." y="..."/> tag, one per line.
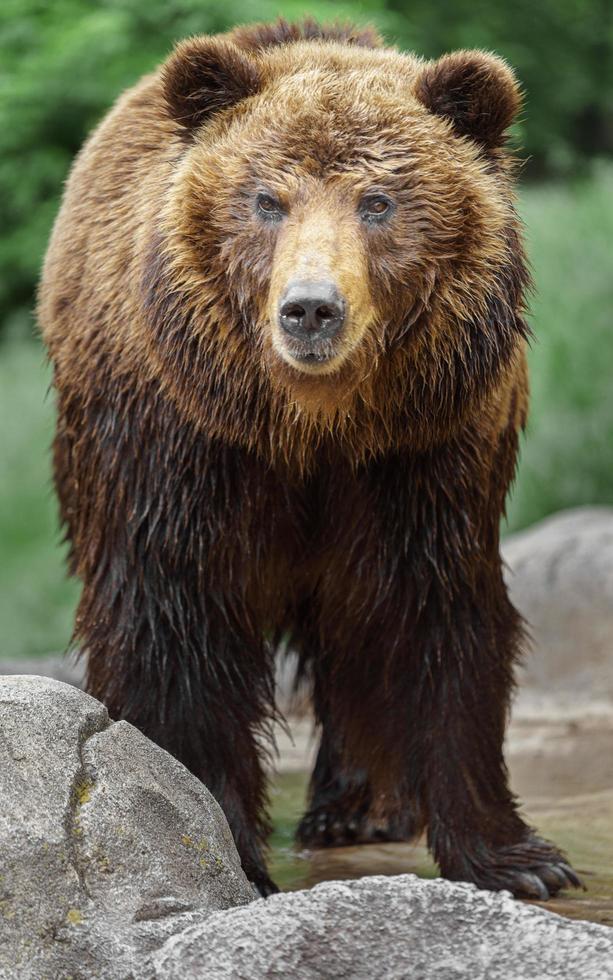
<point x="562" y="771"/>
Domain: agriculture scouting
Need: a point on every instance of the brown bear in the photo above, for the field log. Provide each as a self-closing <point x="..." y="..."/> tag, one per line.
<point x="284" y="302"/>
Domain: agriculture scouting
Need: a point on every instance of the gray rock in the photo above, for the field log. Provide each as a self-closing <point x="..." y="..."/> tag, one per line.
<point x="107" y="844"/>
<point x="381" y="928"/>
<point x="561" y="579"/>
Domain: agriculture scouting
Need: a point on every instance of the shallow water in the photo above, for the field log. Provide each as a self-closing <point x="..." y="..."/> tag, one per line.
<point x="581" y="825"/>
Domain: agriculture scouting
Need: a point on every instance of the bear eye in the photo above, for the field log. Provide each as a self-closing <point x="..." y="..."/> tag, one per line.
<point x="375" y="207"/>
<point x="269" y="207"/>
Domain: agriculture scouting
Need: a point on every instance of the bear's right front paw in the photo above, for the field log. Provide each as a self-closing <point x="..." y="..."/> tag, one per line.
<point x="259" y="879"/>
<point x="264" y="887"/>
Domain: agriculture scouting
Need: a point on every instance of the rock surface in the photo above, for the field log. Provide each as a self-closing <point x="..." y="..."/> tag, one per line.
<point x="561" y="579"/>
<point x="378" y="928"/>
<point x="107" y="844"/>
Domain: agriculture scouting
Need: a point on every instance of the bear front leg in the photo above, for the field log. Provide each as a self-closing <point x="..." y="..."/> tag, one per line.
<point x="475" y="833"/>
<point x="163" y="525"/>
<point x="192" y="685"/>
<point x="418" y="642"/>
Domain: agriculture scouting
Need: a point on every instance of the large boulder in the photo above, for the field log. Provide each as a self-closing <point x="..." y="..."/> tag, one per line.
<point x="560" y="574"/>
<point x="117" y="864"/>
<point x="108" y="845"/>
<point x="378" y="928"/>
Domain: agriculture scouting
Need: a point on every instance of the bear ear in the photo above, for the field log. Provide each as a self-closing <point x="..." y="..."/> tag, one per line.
<point x="204" y="75"/>
<point x="475" y="90"/>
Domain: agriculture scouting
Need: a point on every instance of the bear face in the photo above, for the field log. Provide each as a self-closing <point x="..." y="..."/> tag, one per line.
<point x="361" y="227"/>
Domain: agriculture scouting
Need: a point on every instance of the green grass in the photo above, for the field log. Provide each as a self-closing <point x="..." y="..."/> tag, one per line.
<point x="36" y="599"/>
<point x="567" y="456"/>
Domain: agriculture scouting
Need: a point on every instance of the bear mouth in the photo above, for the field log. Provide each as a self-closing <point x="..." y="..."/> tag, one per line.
<point x="311" y="357"/>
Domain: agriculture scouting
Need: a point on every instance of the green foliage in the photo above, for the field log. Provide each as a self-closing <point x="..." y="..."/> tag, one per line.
<point x="567" y="457"/>
<point x="562" y="51"/>
<point x="36" y="599"/>
<point x="63" y="63"/>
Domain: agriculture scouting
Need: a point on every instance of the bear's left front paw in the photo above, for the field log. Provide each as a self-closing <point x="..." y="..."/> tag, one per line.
<point x="532" y="868"/>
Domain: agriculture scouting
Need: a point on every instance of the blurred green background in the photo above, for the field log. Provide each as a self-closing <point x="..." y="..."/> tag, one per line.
<point x="61" y="66"/>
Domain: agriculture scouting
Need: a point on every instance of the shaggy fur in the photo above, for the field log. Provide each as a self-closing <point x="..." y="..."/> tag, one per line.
<point x="219" y="494"/>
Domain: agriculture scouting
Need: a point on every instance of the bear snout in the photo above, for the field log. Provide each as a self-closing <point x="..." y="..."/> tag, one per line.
<point x="312" y="313"/>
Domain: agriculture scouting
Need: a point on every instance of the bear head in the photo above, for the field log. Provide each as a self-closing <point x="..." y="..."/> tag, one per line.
<point x="340" y="222"/>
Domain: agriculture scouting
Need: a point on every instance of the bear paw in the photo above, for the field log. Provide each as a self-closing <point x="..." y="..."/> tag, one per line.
<point x="264" y="887"/>
<point x="533" y="869"/>
<point x="259" y="879"/>
<point x="332" y="826"/>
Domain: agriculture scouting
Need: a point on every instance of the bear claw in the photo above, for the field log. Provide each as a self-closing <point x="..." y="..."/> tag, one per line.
<point x="543" y="882"/>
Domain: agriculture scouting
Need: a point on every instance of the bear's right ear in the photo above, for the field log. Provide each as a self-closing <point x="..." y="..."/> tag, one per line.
<point x="204" y="75"/>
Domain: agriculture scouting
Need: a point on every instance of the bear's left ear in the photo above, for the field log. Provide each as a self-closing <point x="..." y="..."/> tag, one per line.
<point x="204" y="75"/>
<point x="476" y="91"/>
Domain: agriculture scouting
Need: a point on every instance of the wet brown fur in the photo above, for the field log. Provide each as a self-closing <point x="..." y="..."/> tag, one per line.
<point x="216" y="496"/>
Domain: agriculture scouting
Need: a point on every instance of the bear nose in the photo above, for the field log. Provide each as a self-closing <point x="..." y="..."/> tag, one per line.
<point x="312" y="310"/>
